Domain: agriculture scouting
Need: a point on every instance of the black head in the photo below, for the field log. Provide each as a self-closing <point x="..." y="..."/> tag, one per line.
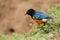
<point x="30" y="12"/>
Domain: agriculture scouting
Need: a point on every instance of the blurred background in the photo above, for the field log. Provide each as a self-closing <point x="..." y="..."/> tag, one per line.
<point x="12" y="15"/>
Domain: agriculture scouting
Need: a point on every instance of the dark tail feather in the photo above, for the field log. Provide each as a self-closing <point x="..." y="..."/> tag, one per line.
<point x="49" y="17"/>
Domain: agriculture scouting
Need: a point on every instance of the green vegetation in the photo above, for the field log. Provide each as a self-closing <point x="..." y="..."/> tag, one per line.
<point x="47" y="32"/>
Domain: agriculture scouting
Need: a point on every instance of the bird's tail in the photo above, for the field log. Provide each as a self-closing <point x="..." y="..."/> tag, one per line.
<point x="49" y="17"/>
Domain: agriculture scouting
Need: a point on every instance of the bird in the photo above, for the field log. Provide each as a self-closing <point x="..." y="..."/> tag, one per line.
<point x="38" y="17"/>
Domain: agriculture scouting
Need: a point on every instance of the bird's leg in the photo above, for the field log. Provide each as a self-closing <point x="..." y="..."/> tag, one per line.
<point x="38" y="26"/>
<point x="44" y="23"/>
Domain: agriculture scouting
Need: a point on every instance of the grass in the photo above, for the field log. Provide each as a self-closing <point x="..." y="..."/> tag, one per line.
<point x="47" y="32"/>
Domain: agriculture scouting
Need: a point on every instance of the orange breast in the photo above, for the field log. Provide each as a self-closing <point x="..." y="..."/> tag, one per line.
<point x="39" y="22"/>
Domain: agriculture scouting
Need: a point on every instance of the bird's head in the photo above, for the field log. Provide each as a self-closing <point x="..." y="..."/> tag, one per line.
<point x="30" y="12"/>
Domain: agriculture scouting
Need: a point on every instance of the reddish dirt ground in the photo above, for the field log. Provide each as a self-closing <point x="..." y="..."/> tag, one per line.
<point x="12" y="13"/>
